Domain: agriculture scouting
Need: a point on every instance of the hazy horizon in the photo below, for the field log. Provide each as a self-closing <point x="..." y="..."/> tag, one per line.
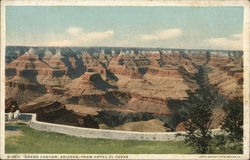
<point x="125" y="47"/>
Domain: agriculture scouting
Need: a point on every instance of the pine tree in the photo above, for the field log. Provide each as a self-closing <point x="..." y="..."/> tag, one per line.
<point x="199" y="112"/>
<point x="233" y="121"/>
<point x="198" y="126"/>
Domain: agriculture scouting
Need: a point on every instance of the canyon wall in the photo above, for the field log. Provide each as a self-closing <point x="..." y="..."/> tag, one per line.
<point x="127" y="81"/>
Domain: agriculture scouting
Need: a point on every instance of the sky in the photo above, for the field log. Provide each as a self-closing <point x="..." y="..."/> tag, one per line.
<point x="126" y="26"/>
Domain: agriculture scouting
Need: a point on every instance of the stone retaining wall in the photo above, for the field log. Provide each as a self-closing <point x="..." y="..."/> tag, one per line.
<point x="104" y="134"/>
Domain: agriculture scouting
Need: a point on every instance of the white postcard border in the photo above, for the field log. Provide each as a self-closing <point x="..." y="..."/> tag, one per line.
<point x="246" y="31"/>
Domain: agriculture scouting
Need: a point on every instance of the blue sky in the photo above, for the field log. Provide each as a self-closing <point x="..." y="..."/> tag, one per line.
<point x="170" y="27"/>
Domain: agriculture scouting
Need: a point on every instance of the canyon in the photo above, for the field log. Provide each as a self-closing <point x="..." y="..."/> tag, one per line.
<point x="117" y="88"/>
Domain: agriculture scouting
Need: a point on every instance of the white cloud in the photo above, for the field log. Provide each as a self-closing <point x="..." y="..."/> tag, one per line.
<point x="74" y="30"/>
<point x="234" y="42"/>
<point x="94" y="36"/>
<point x="76" y="36"/>
<point x="162" y="34"/>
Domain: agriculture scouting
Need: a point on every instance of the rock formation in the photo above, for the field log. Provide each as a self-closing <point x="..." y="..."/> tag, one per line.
<point x="153" y="125"/>
<point x="227" y="77"/>
<point x="56" y="112"/>
<point x="136" y="81"/>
